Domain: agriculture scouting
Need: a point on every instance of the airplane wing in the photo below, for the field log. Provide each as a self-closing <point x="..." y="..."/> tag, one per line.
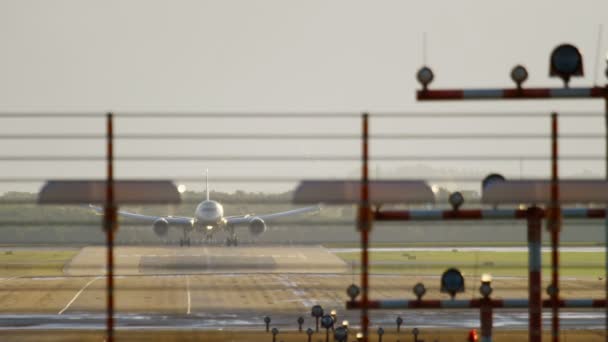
<point x="269" y="217"/>
<point x="178" y="220"/>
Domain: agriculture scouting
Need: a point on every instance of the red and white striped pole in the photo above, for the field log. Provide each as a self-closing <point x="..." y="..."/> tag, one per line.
<point x="534" y="279"/>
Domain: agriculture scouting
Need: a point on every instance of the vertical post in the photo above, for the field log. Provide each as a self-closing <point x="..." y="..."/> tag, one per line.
<point x="110" y="225"/>
<point x="485" y="312"/>
<point x="534" y="217"/>
<point x="364" y="226"/>
<point x="554" y="228"/>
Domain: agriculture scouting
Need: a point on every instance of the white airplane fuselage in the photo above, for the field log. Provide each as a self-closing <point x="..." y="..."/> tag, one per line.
<point x="209" y="217"/>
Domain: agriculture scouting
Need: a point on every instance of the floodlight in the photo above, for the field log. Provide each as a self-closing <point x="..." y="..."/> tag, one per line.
<point x="566" y="61"/>
<point x="456" y="200"/>
<point x="452" y="282"/>
<point x="519" y="75"/>
<point x="345" y="323"/>
<point x="486" y="278"/>
<point x="353" y="291"/>
<point x="359" y="336"/>
<point x="425" y="76"/>
<point x="419" y="291"/>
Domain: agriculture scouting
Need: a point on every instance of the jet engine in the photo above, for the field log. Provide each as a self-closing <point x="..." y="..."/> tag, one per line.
<point x="257" y="226"/>
<point x="161" y="226"/>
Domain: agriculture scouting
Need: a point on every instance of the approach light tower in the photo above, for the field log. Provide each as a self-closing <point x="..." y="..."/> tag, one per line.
<point x="565" y="62"/>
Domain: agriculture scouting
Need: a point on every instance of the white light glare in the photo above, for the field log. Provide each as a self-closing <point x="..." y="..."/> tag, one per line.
<point x="486" y="278"/>
<point x="181" y="188"/>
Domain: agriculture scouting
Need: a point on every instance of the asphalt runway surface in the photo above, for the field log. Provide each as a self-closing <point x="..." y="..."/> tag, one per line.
<point x="234" y="288"/>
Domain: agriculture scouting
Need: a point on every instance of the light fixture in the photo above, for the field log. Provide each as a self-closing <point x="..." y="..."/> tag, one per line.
<point x="340" y="334"/>
<point x="456" y="200"/>
<point x="552" y="290"/>
<point x="327" y="321"/>
<point x="353" y="291"/>
<point x="267" y="321"/>
<point x="425" y="76"/>
<point x="452" y="282"/>
<point x="519" y="75"/>
<point x="566" y="61"/>
<point x="486" y="288"/>
<point x="491" y="178"/>
<point x="316" y="311"/>
<point x="419" y="291"/>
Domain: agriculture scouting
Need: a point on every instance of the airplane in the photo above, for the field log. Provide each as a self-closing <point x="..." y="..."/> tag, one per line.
<point x="208" y="219"/>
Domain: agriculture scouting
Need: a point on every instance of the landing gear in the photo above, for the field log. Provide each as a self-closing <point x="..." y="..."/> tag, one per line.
<point x="232" y="241"/>
<point x="185" y="241"/>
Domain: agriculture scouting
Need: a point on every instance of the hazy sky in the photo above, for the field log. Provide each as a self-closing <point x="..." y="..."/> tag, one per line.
<point x="285" y="56"/>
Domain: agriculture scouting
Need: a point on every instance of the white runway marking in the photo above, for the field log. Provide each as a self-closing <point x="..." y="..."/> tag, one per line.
<point x="7" y="279"/>
<point x="188" y="290"/>
<point x="78" y="294"/>
<point x="299" y="294"/>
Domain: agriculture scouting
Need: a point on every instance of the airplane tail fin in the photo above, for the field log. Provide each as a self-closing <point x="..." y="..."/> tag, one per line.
<point x="207" y="183"/>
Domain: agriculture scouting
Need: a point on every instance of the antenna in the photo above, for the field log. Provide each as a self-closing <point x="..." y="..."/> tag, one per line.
<point x="207" y="183"/>
<point x="600" y="29"/>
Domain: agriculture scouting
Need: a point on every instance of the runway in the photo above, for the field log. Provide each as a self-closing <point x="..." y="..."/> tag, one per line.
<point x="215" y="287"/>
